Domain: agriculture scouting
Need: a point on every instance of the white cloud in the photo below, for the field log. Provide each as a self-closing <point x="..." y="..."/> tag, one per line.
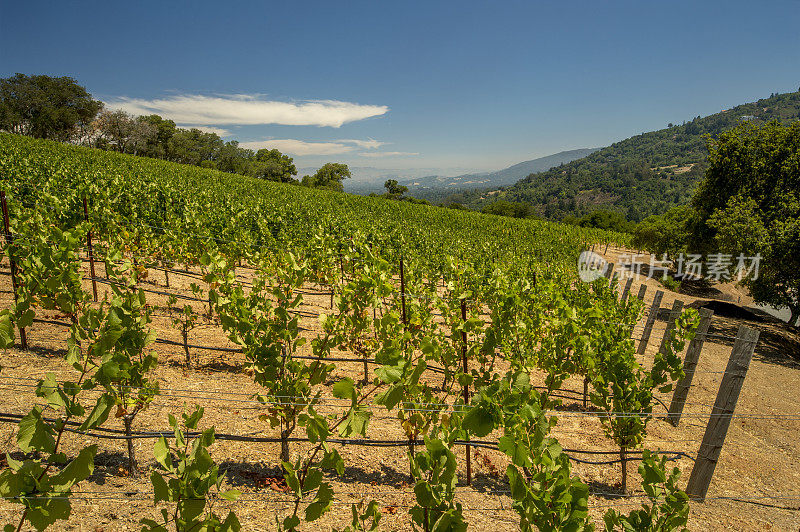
<point x="369" y="144"/>
<point x="302" y="147"/>
<point x="244" y="109"/>
<point x="299" y="147"/>
<point x="210" y="129"/>
<point x="388" y="153"/>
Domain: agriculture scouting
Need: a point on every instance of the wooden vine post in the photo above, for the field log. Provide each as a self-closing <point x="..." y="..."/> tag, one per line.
<point x="466" y="388"/>
<point x="677" y="308"/>
<point x="411" y="437"/>
<point x="403" y="293"/>
<point x="586" y="392"/>
<point x="623" y="458"/>
<point x="609" y="270"/>
<point x="627" y="289"/>
<point x="722" y="414"/>
<point x="689" y="365"/>
<point x="642" y="292"/>
<point x="23" y="337"/>
<point x="89" y="247"/>
<point x="651" y="319"/>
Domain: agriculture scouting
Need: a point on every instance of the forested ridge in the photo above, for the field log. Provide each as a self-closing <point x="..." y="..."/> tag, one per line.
<point x="641" y="175"/>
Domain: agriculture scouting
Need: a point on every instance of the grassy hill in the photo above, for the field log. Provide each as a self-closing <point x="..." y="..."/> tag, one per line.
<point x="641" y="175"/>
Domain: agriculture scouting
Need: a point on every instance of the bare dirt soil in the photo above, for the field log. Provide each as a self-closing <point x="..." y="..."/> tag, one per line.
<point x="755" y="486"/>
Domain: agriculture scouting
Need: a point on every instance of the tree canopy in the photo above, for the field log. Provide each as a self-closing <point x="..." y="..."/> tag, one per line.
<point x="60" y="109"/>
<point x="47" y="107"/>
<point x="273" y="165"/>
<point x="666" y="233"/>
<point x="154" y="136"/>
<point x="330" y="176"/>
<point x="603" y="219"/>
<point x="512" y="209"/>
<point x="393" y="189"/>
<point x="749" y="204"/>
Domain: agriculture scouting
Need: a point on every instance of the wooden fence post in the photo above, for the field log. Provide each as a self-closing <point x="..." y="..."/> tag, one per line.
<point x="405" y="328"/>
<point x="642" y="292"/>
<point x="722" y="414"/>
<point x="651" y="318"/>
<point x="89" y="246"/>
<point x="627" y="289"/>
<point x="609" y="270"/>
<point x="23" y="337"/>
<point x="466" y="388"/>
<point x="689" y="365"/>
<point x="677" y="308"/>
<point x="403" y="293"/>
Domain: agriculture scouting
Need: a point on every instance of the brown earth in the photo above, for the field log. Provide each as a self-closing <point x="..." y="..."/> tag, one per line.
<point x="754" y="487"/>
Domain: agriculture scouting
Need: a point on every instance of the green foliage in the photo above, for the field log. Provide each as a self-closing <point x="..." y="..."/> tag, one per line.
<point x="189" y="481"/>
<point x="43" y="494"/>
<point x="192" y="146"/>
<point x="670" y="283"/>
<point x="365" y="518"/>
<point x="667" y="233"/>
<point x="125" y="366"/>
<point x="48" y="275"/>
<point x="668" y="508"/>
<point x="240" y="216"/>
<point x="621" y="384"/>
<point x="46" y="107"/>
<point x="32" y="482"/>
<point x="750" y="205"/>
<point x="603" y="219"/>
<point x="546" y="496"/>
<point x="393" y="190"/>
<point x="329" y="176"/>
<point x="119" y="131"/>
<point x="512" y="209"/>
<point x="270" y="336"/>
<point x="434" y="469"/>
<point x="272" y="165"/>
<point x="184" y="319"/>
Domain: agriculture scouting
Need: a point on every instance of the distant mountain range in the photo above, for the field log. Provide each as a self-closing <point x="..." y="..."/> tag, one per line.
<point x="639" y="176"/>
<point x="366" y="179"/>
<point x="500" y="178"/>
<point x="435" y="184"/>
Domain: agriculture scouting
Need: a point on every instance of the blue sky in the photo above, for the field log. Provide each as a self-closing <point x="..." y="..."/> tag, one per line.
<point x="469" y="85"/>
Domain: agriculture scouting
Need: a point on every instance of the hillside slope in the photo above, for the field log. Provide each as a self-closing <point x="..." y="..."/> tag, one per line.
<point x="642" y="175"/>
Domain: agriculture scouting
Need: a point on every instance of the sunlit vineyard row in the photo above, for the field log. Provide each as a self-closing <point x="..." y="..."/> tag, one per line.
<point x="498" y="292"/>
<point x="149" y="196"/>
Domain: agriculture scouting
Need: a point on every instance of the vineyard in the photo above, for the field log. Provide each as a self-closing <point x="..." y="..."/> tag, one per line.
<point x="191" y="350"/>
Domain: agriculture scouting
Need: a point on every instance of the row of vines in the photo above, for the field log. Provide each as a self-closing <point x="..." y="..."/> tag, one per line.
<point x="415" y="292"/>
